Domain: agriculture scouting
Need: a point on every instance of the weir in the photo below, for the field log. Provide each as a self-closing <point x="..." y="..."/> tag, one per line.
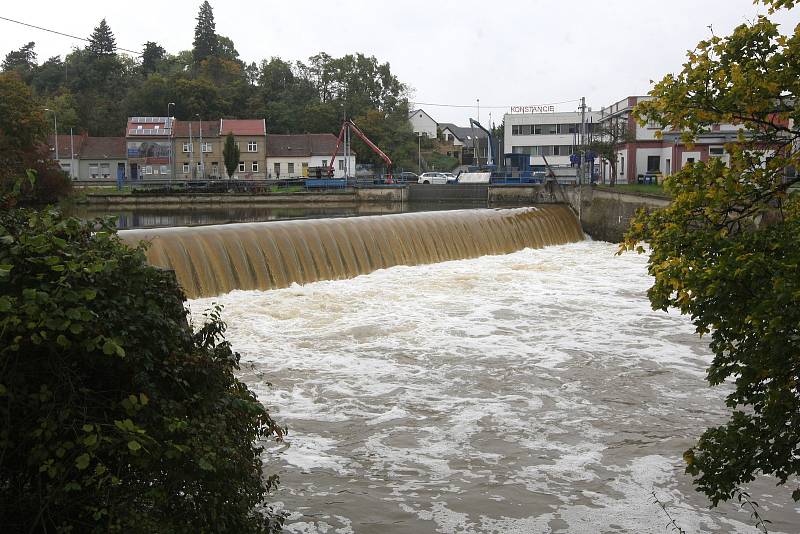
<point x="212" y="260"/>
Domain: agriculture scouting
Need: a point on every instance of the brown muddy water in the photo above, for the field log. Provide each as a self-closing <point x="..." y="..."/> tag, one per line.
<point x="531" y="392"/>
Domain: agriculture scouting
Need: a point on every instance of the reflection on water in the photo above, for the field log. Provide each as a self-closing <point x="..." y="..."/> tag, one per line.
<point x="154" y="217"/>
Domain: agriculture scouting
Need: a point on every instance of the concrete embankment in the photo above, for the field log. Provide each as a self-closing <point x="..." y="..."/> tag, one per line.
<point x="343" y="196"/>
<point x="606" y="213"/>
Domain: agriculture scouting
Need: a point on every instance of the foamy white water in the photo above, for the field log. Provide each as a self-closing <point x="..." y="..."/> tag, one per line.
<point x="527" y="393"/>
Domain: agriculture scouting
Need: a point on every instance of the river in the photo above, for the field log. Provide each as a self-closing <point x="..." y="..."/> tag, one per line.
<point x="527" y="393"/>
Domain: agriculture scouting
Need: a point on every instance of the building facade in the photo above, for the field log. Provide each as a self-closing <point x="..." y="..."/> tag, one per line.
<point x="251" y="138"/>
<point x="149" y="148"/>
<point x="86" y="158"/>
<point x="549" y="135"/>
<point x="422" y="123"/>
<point x="198" y="150"/>
<point x="646" y="157"/>
<point x="290" y="156"/>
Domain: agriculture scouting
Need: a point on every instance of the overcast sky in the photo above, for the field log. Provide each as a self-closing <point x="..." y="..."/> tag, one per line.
<point x="503" y="52"/>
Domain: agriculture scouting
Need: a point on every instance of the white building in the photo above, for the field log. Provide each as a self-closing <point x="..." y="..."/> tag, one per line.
<point x="422" y="123"/>
<point x="553" y="135"/>
<point x="290" y="156"/>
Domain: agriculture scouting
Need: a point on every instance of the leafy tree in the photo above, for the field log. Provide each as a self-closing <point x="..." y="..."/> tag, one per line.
<point x="231" y="154"/>
<point x="152" y="56"/>
<point x="102" y="41"/>
<point x="50" y="76"/>
<point x="23" y="135"/>
<point x="206" y="41"/>
<point x="23" y="61"/>
<point x="116" y="415"/>
<point x="607" y="139"/>
<point x="65" y="106"/>
<point x="727" y="250"/>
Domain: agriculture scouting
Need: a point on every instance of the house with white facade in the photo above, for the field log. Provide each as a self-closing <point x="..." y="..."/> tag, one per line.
<point x="422" y="123"/>
<point x="290" y="156"/>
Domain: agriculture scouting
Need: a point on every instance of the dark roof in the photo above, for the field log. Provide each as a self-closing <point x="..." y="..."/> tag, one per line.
<point x="463" y="133"/>
<point x="302" y="145"/>
<point x="242" y="126"/>
<point x="181" y="128"/>
<point x="104" y="148"/>
<point x="64" y="143"/>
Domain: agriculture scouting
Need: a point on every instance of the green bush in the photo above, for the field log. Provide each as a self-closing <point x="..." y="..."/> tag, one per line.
<point x="115" y="416"/>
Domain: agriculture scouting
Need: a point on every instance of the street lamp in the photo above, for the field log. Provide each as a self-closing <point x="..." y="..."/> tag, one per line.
<point x="419" y="151"/>
<point x="169" y="153"/>
<point x="55" y="131"/>
<point x="202" y="163"/>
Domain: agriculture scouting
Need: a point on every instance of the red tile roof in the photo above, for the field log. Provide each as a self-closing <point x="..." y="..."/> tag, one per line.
<point x="64" y="144"/>
<point x="181" y="128"/>
<point x="302" y="145"/>
<point x="104" y="148"/>
<point x="242" y="126"/>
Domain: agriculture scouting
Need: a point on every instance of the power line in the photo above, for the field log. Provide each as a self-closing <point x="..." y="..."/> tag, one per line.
<point x="487" y="107"/>
<point x="139" y="53"/>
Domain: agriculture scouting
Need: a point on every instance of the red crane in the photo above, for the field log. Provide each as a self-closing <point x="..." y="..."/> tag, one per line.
<point x="352" y="126"/>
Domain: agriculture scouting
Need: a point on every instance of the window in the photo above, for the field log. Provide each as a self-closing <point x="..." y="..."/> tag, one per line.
<point x="556" y="151"/>
<point x="717" y="151"/>
<point x="537" y="129"/>
<point x="254" y="166"/>
<point x="622" y="165"/>
<point x="689" y="160"/>
<point x="324" y="163"/>
<point x="252" y="146"/>
<point x="514" y="129"/>
<point x="550" y="129"/>
<point x="187" y="147"/>
<point x="290" y="169"/>
<point x="93" y="170"/>
<point x="341" y="164"/>
<point x="206" y="147"/>
<point x="185" y="168"/>
<point x="215" y="169"/>
<point x="653" y="163"/>
<point x="236" y="143"/>
<point x="305" y="168"/>
<point x="669" y="166"/>
<point x="148" y="169"/>
<point x="277" y="167"/>
<point x="241" y="166"/>
<point x="525" y="129"/>
<point x="105" y="170"/>
<point x="155" y="170"/>
<point x="164" y="169"/>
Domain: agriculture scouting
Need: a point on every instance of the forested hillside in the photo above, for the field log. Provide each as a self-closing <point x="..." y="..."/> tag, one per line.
<point x="95" y="88"/>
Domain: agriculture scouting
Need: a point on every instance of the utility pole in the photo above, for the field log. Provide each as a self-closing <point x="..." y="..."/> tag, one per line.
<point x="419" y="151"/>
<point x="582" y="156"/>
<point x="191" y="153"/>
<point x="171" y="144"/>
<point x="71" y="155"/>
<point x="479" y="110"/>
<point x="202" y="163"/>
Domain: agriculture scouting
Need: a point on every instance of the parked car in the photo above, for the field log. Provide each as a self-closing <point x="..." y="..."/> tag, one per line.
<point x="405" y="176"/>
<point x="432" y="178"/>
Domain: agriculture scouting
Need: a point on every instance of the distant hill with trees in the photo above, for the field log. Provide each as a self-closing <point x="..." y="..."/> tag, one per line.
<point x="95" y="88"/>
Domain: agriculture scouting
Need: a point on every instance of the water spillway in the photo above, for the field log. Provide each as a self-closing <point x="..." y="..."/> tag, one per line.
<point x="212" y="260"/>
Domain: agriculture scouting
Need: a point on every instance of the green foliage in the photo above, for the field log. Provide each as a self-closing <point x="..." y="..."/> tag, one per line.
<point x="230" y="154"/>
<point x="727" y="250"/>
<point x="206" y="42"/>
<point x="152" y="56"/>
<point x="114" y="415"/>
<point x="102" y="41"/>
<point x="23" y="132"/>
<point x="23" y="61"/>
